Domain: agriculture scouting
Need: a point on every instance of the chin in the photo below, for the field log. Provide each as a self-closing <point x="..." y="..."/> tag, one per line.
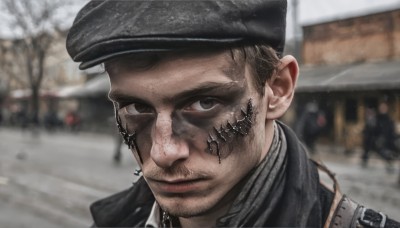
<point x="186" y="208"/>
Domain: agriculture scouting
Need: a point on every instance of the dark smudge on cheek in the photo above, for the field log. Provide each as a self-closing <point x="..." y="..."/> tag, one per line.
<point x="225" y="134"/>
<point x="130" y="127"/>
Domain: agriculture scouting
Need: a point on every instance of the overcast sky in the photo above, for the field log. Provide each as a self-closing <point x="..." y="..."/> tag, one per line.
<point x="314" y="11"/>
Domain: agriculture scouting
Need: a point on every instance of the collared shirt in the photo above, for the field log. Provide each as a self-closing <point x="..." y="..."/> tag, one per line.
<point x="154" y="218"/>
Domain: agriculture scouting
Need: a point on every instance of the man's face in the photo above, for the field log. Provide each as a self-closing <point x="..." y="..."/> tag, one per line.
<point x="174" y="108"/>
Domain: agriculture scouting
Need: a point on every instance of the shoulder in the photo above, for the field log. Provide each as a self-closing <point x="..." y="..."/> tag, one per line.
<point x="346" y="213"/>
<point x="128" y="208"/>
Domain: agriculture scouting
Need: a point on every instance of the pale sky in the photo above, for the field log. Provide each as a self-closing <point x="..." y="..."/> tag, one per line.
<point x="314" y="11"/>
<point x="64" y="15"/>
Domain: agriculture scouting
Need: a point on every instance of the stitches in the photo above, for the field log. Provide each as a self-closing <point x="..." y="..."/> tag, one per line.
<point x="241" y="127"/>
<point x="129" y="139"/>
<point x="211" y="140"/>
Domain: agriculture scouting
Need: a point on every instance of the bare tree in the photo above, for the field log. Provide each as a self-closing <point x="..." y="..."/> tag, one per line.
<point x="36" y="24"/>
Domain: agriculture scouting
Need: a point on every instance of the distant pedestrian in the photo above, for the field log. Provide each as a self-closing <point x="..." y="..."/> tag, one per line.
<point x="72" y="121"/>
<point x="385" y="135"/>
<point x="51" y="121"/>
<point x="311" y="124"/>
<point x="369" y="134"/>
<point x="117" y="149"/>
<point x="1" y="116"/>
<point x="398" y="180"/>
<point x="118" y="141"/>
<point x="23" y="118"/>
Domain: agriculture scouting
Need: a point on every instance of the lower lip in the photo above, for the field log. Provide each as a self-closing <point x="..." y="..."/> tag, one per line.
<point x="179" y="187"/>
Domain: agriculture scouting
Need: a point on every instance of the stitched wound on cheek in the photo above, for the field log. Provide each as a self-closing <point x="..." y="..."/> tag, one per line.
<point x="213" y="141"/>
<point x="240" y="127"/>
<point x="129" y="139"/>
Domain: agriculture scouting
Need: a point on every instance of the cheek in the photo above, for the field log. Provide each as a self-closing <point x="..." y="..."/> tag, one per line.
<point x="141" y="126"/>
<point x="237" y="145"/>
<point x="193" y="132"/>
<point x="199" y="128"/>
<point x="233" y="136"/>
<point x="226" y="133"/>
<point x="187" y="132"/>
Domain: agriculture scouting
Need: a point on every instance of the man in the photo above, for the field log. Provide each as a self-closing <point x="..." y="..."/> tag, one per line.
<point x="385" y="135"/>
<point x="310" y="125"/>
<point x="197" y="88"/>
<point x="369" y="135"/>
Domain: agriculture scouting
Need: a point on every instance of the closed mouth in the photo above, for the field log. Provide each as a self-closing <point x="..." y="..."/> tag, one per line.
<point x="178" y="185"/>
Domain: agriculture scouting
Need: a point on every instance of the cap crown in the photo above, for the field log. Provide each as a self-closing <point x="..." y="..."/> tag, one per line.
<point x="109" y="28"/>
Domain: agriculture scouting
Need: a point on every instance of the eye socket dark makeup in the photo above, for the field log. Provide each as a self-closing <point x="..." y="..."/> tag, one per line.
<point x="194" y="105"/>
<point x="138" y="108"/>
<point x="202" y="105"/>
<point x="131" y="105"/>
<point x="205" y="99"/>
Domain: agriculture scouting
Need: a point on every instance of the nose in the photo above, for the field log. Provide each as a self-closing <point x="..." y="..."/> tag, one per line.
<point x="167" y="148"/>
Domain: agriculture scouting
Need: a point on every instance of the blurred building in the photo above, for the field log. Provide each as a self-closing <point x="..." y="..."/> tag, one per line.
<point x="350" y="64"/>
<point x="91" y="102"/>
<point x="15" y="90"/>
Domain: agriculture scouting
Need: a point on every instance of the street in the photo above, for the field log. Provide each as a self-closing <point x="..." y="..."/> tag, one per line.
<point x="50" y="179"/>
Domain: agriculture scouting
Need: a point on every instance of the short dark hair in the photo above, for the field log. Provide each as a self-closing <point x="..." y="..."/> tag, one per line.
<point x="262" y="59"/>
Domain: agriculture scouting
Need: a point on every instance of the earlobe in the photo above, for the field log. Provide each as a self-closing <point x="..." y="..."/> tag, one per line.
<point x="280" y="88"/>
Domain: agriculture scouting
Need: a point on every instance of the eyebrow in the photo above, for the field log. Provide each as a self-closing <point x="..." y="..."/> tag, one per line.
<point x="119" y="96"/>
<point x="231" y="71"/>
<point x="207" y="87"/>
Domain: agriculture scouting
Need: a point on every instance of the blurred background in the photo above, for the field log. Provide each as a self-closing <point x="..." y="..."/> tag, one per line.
<point x="59" y="148"/>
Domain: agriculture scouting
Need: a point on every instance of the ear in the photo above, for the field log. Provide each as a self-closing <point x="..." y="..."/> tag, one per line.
<point x="280" y="88"/>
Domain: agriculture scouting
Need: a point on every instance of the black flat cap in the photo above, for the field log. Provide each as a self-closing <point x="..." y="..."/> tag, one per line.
<point x="104" y="29"/>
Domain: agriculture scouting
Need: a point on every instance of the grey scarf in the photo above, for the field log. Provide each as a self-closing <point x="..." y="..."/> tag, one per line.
<point x="262" y="190"/>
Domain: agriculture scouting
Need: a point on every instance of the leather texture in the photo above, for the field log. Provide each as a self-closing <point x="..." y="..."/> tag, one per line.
<point x="353" y="215"/>
<point x="346" y="214"/>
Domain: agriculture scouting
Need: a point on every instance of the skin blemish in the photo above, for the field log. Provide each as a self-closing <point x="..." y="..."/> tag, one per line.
<point x="224" y="133"/>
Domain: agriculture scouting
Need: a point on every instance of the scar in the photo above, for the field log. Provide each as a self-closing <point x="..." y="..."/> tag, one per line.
<point x="240" y="127"/>
<point x="129" y="139"/>
<point x="210" y="141"/>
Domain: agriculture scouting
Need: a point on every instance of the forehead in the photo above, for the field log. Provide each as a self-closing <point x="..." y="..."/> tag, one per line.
<point x="227" y="60"/>
<point x="169" y="73"/>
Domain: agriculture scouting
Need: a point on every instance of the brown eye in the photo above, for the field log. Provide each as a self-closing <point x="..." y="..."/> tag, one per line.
<point x="135" y="109"/>
<point x="203" y="105"/>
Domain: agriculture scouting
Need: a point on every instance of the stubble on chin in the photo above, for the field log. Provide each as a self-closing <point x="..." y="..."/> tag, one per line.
<point x="185" y="208"/>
